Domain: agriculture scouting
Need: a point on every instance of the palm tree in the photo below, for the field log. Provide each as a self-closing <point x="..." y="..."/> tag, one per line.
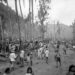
<point x="23" y="2"/>
<point x="17" y="19"/>
<point x="31" y="17"/>
<point x="20" y="8"/>
<point x="21" y="12"/>
<point x="29" y="20"/>
<point x="10" y="22"/>
<point x="1" y="32"/>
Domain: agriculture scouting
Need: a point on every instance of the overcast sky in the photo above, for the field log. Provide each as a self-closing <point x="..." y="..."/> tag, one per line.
<point x="61" y="10"/>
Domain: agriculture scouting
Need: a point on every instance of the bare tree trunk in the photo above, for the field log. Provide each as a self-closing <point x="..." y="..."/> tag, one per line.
<point x="23" y="2"/>
<point x="20" y="8"/>
<point x="17" y="19"/>
<point x="22" y="15"/>
<point x="10" y="23"/>
<point x="1" y="33"/>
<point x="31" y="17"/>
<point x="30" y="37"/>
<point x="32" y="20"/>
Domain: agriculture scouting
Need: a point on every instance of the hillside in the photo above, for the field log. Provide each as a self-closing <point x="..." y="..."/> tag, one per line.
<point x="10" y="26"/>
<point x="65" y="32"/>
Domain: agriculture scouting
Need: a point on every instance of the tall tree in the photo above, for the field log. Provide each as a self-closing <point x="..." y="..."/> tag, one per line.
<point x="31" y="16"/>
<point x="2" y="29"/>
<point x="24" y="2"/>
<point x="20" y="8"/>
<point x="22" y="14"/>
<point x="30" y="19"/>
<point x="73" y="25"/>
<point x="58" y="30"/>
<point x="11" y="26"/>
<point x="17" y="20"/>
<point x="43" y="14"/>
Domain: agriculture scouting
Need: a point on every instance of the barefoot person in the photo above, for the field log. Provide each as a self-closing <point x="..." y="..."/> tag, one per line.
<point x="57" y="59"/>
<point x="28" y="59"/>
<point x="22" y="53"/>
<point x="46" y="54"/>
<point x="12" y="58"/>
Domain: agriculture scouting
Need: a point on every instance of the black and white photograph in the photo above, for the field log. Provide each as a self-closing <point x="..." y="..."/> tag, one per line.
<point x="37" y="37"/>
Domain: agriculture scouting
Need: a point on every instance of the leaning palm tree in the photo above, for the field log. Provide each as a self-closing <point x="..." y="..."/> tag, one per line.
<point x="30" y="15"/>
<point x="1" y="27"/>
<point x="24" y="2"/>
<point x="17" y="20"/>
<point x="20" y="8"/>
<point x="11" y="26"/>
<point x="21" y="12"/>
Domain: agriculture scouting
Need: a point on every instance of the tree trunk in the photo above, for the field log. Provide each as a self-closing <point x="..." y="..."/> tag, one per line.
<point x="30" y="33"/>
<point x="22" y="14"/>
<point x="1" y="33"/>
<point x="10" y="23"/>
<point x="17" y="20"/>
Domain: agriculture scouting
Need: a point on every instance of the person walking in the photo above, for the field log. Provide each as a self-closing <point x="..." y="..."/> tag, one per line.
<point x="47" y="54"/>
<point x="22" y="54"/>
<point x="58" y="59"/>
<point x="39" y="53"/>
<point x="28" y="59"/>
<point x="12" y="58"/>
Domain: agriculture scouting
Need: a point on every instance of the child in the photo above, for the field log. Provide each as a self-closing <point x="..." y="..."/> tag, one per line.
<point x="29" y="71"/>
<point x="31" y="58"/>
<point x="28" y="59"/>
<point x="12" y="58"/>
<point x="7" y="71"/>
<point x="46" y="54"/>
<point x="71" y="70"/>
<point x="57" y="58"/>
<point x="22" y="54"/>
<point x="39" y="52"/>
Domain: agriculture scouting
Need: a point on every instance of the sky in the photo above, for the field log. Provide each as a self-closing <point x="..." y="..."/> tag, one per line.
<point x="61" y="10"/>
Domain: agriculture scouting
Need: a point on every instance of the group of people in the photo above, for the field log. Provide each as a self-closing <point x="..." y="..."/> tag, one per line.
<point x="26" y="56"/>
<point x="20" y="58"/>
<point x="43" y="53"/>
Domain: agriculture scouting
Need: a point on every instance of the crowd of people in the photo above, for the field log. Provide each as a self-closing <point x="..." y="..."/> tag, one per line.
<point x="21" y="55"/>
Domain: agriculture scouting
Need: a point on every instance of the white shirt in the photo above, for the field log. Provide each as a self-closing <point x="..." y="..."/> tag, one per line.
<point x="13" y="47"/>
<point x="10" y="46"/>
<point x="28" y="74"/>
<point x="4" y="74"/>
<point x="39" y="51"/>
<point x="12" y="56"/>
<point x="47" y="53"/>
<point x="28" y="58"/>
<point x="22" y="54"/>
<point x="73" y="46"/>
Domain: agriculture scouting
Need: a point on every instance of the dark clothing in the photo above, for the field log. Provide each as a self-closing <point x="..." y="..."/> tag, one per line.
<point x="47" y="60"/>
<point x="71" y="70"/>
